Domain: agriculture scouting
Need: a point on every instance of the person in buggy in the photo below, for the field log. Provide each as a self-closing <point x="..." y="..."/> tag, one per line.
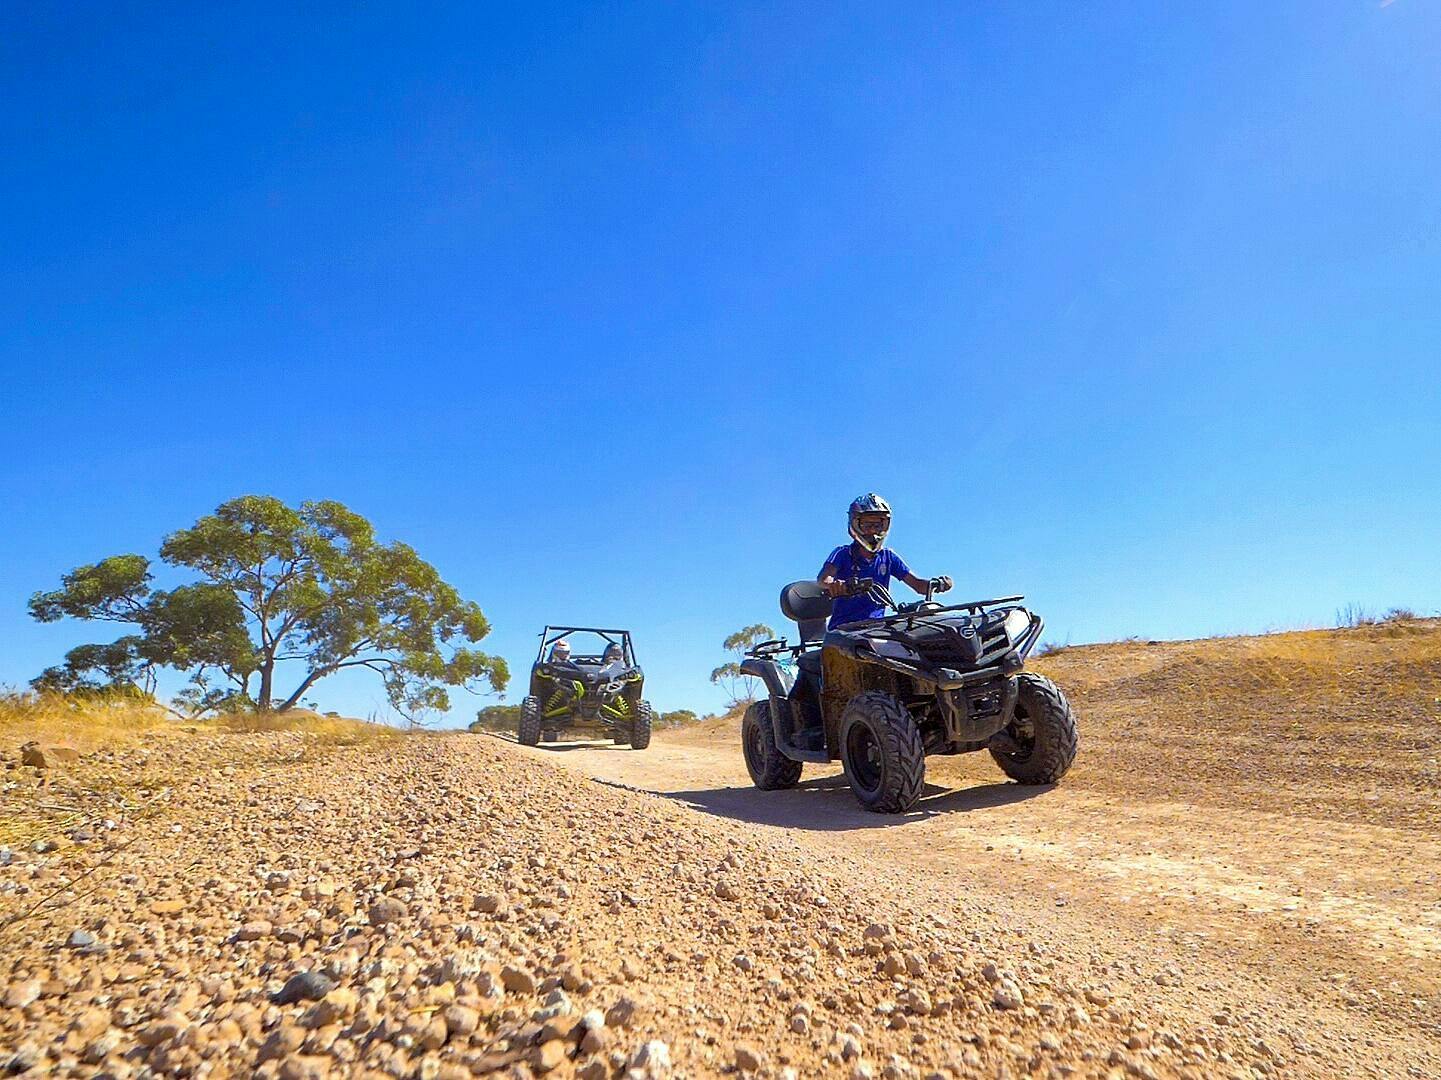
<point x="614" y="654"/>
<point x="867" y="557"/>
<point x="560" y="652"/>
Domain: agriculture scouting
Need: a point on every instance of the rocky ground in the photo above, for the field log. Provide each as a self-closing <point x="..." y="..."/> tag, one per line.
<point x="209" y="904"/>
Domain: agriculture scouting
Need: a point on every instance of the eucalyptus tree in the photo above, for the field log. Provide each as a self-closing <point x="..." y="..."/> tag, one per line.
<point x="307" y="589"/>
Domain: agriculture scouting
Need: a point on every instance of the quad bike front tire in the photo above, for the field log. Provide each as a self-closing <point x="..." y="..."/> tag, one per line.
<point x="640" y="725"/>
<point x="528" y="733"/>
<point x="1039" y="744"/>
<point x="883" y="753"/>
<point x="770" y="769"/>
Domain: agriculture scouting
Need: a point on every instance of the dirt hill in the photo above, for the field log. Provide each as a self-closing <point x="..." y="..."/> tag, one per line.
<point x="1240" y="877"/>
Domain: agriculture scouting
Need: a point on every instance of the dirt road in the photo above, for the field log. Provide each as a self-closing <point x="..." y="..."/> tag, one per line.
<point x="1324" y="937"/>
<point x="1260" y="874"/>
<point x="1239" y="878"/>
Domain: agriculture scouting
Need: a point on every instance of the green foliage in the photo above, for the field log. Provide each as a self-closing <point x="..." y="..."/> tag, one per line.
<point x="496" y="718"/>
<point x="114" y="589"/>
<point x="116" y="669"/>
<point x="747" y="636"/>
<point x="729" y="674"/>
<point x="731" y="669"/>
<point x="309" y="585"/>
<point x="677" y="717"/>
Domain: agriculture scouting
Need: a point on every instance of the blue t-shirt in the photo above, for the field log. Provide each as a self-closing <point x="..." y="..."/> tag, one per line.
<point x="882" y="566"/>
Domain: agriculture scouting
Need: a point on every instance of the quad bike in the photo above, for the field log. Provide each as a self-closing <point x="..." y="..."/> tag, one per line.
<point x="586" y="690"/>
<point x="883" y="693"/>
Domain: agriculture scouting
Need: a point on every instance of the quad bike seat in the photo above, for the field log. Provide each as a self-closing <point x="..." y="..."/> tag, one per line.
<point x="807" y="605"/>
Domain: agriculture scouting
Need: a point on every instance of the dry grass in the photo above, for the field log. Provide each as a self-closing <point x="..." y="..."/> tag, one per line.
<point x="85" y="725"/>
<point x="1347" y="721"/>
<point x="325" y="730"/>
<point x="92" y="723"/>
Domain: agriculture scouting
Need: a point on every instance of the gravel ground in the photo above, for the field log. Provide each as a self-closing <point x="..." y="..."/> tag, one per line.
<point x="444" y="906"/>
<point x="1237" y="880"/>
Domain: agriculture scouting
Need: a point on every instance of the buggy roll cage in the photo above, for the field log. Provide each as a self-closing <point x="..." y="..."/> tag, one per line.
<point x="552" y="634"/>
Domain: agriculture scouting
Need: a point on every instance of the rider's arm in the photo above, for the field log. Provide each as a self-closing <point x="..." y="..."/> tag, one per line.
<point x="832" y="584"/>
<point x="919" y="584"/>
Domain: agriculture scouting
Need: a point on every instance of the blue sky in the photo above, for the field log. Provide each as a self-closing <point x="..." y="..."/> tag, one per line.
<point x="610" y="309"/>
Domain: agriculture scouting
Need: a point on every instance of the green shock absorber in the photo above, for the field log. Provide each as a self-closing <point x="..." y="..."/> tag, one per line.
<point x="558" y="702"/>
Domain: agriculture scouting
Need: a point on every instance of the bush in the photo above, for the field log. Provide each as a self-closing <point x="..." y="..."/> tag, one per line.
<point x="496" y="718"/>
<point x="1354" y="615"/>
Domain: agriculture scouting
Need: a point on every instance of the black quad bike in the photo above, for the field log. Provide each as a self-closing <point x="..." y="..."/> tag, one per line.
<point x="586" y="690"/>
<point x="883" y="693"/>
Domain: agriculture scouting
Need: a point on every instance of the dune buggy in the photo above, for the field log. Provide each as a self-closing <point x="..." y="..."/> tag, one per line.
<point x="881" y="694"/>
<point x="600" y="689"/>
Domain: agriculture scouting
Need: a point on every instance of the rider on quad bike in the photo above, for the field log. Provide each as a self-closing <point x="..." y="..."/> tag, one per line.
<point x="887" y="684"/>
<point x="867" y="557"/>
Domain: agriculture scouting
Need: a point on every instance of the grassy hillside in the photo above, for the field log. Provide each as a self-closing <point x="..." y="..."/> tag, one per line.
<point x="1301" y="711"/>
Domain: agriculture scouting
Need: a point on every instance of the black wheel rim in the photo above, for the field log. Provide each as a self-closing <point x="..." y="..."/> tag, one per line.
<point x="863" y="755"/>
<point x="1022" y="730"/>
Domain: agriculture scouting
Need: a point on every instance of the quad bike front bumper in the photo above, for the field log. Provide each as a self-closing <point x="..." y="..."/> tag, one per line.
<point x="975" y="710"/>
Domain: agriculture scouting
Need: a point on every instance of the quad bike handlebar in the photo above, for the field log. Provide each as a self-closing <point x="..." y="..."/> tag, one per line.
<point x="869" y="588"/>
<point x="859" y="586"/>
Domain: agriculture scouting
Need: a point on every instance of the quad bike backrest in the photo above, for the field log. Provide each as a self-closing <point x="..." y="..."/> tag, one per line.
<point x="806" y="604"/>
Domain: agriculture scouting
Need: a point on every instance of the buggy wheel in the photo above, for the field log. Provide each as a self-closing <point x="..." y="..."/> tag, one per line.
<point x="640" y="726"/>
<point x="770" y="769"/>
<point x="882" y="751"/>
<point x="1039" y="744"/>
<point x="529" y="730"/>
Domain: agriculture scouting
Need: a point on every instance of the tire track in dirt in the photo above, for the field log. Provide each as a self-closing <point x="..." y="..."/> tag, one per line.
<point x="1315" y="928"/>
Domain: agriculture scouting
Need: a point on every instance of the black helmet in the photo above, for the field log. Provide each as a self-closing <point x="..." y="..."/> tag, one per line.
<point x="877" y="513"/>
<point x="613" y="653"/>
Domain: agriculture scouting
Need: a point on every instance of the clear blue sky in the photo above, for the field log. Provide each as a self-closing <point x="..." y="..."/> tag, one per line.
<point x="610" y="310"/>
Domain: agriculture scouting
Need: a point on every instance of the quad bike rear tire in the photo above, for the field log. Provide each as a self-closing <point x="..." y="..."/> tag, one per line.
<point x="883" y="753"/>
<point x="1039" y="745"/>
<point x="528" y="733"/>
<point x="640" y="725"/>
<point x="770" y="769"/>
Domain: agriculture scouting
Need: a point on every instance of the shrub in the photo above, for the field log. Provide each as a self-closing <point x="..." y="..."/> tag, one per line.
<point x="1354" y="615"/>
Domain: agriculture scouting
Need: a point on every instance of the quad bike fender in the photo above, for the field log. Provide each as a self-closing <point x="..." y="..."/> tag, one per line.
<point x="777" y="679"/>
